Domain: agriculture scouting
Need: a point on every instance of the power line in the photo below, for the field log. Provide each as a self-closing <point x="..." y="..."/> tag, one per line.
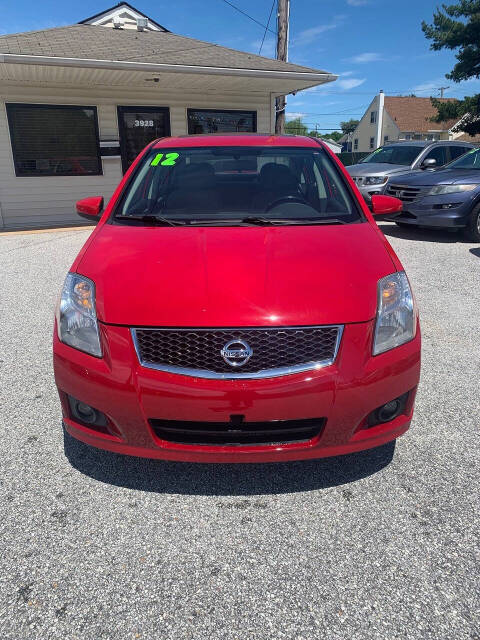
<point x="266" y="28"/>
<point x="248" y="16"/>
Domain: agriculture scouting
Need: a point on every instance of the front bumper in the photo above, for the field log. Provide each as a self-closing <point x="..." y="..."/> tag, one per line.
<point x="444" y="211"/>
<point x="370" y="190"/>
<point x="343" y="394"/>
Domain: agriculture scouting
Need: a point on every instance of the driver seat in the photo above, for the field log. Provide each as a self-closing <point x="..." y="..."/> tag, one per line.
<point x="275" y="181"/>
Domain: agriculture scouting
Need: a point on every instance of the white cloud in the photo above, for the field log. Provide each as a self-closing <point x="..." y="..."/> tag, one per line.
<point x="294" y="114"/>
<point x="310" y="35"/>
<point x="349" y="83"/>
<point x="268" y="49"/>
<point x="344" y="74"/>
<point x="357" y="3"/>
<point x="432" y="87"/>
<point x="363" y="58"/>
<point x="429" y="85"/>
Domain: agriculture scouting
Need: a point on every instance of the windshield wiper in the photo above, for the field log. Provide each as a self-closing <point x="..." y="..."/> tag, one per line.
<point x="263" y="221"/>
<point x="158" y="221"/>
<point x="292" y="221"/>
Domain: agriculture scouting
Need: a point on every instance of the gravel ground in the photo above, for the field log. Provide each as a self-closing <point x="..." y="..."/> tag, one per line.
<point x="379" y="545"/>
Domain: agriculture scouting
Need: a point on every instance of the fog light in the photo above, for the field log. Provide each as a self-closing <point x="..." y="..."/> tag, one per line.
<point x="388" y="411"/>
<point x="85" y="414"/>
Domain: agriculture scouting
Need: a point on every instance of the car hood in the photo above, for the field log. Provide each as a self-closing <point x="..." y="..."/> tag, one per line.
<point x="441" y="176"/>
<point x="376" y="168"/>
<point x="236" y="276"/>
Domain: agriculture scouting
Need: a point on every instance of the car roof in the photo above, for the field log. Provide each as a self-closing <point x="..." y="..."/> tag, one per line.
<point x="427" y="143"/>
<point x="238" y="140"/>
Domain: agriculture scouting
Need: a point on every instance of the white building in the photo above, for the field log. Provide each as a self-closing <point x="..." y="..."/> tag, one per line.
<point x="78" y="103"/>
<point x="390" y="118"/>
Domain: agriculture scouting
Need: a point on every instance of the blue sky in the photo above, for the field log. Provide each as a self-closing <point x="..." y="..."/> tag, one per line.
<point x="370" y="44"/>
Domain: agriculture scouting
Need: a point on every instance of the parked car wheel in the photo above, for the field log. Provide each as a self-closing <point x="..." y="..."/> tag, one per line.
<point x="402" y="224"/>
<point x="472" y="230"/>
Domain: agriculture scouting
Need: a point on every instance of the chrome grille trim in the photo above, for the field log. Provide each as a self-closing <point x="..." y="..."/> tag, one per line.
<point x="214" y="375"/>
<point x="408" y="193"/>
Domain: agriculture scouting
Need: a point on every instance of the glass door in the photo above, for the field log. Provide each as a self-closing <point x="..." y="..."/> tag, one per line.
<point x="138" y="126"/>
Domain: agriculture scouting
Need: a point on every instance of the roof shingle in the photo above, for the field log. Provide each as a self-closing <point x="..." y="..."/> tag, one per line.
<point x="93" y="42"/>
<point x="413" y="114"/>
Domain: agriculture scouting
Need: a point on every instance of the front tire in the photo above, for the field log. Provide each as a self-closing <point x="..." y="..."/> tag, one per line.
<point x="472" y="230"/>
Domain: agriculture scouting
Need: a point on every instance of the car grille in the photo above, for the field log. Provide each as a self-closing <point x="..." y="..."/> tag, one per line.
<point x="276" y="351"/>
<point x="238" y="433"/>
<point x="406" y="193"/>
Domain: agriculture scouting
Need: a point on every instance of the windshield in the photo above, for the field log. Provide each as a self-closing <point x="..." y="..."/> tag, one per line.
<point x="470" y="160"/>
<point x="394" y="154"/>
<point x="248" y="185"/>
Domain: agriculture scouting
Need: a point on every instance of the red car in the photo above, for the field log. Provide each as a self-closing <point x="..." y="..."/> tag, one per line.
<point x="236" y="316"/>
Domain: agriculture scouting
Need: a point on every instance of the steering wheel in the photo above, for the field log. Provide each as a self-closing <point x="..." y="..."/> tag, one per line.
<point x="278" y="201"/>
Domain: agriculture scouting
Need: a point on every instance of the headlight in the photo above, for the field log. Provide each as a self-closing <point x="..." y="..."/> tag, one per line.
<point x="375" y="179"/>
<point x="76" y="315"/>
<point x="396" y="314"/>
<point x="451" y="188"/>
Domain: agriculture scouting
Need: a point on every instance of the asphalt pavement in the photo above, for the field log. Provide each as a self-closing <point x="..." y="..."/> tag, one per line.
<point x="377" y="545"/>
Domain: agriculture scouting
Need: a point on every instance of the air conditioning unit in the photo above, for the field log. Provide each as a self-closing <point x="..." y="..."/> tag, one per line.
<point x="142" y="23"/>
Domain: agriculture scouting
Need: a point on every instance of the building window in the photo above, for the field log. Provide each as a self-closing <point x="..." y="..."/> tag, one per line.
<point x="408" y="136"/>
<point x="355" y="144"/>
<point x="373" y="117"/>
<point x="213" y="121"/>
<point x="372" y="143"/>
<point x="138" y="126"/>
<point x="54" y="140"/>
<point x="385" y="139"/>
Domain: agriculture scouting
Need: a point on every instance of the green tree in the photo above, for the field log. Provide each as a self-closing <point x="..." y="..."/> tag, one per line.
<point x="334" y="135"/>
<point x="457" y="26"/>
<point x="296" y="126"/>
<point x="349" y="126"/>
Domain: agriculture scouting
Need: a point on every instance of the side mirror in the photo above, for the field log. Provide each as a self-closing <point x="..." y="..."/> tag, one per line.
<point x="429" y="163"/>
<point x="90" y="208"/>
<point x="382" y="205"/>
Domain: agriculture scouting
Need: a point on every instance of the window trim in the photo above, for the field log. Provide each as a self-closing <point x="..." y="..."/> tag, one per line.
<point x="253" y="112"/>
<point x="355" y="144"/>
<point x="42" y="105"/>
<point x="372" y="142"/>
<point x="373" y="117"/>
<point x="121" y="109"/>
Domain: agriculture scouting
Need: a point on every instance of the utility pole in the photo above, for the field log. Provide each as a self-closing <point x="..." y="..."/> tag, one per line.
<point x="442" y="89"/>
<point x="283" y="17"/>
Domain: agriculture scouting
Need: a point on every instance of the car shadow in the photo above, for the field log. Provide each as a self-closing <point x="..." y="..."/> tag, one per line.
<point x="421" y="235"/>
<point x="184" y="478"/>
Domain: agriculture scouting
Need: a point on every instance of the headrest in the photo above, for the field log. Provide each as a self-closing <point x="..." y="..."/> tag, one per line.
<point x="273" y="175"/>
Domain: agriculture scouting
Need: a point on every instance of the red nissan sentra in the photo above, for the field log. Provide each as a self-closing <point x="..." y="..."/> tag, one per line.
<point x="236" y="303"/>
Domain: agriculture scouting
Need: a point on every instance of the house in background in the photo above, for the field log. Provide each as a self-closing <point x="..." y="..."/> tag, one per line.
<point x="336" y="147"/>
<point x="78" y="103"/>
<point x="391" y="118"/>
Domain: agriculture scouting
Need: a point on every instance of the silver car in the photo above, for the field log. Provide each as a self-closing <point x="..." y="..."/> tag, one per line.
<point x="372" y="173"/>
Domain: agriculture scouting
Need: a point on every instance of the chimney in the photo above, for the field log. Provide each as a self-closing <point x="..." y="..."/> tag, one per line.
<point x="381" y="103"/>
